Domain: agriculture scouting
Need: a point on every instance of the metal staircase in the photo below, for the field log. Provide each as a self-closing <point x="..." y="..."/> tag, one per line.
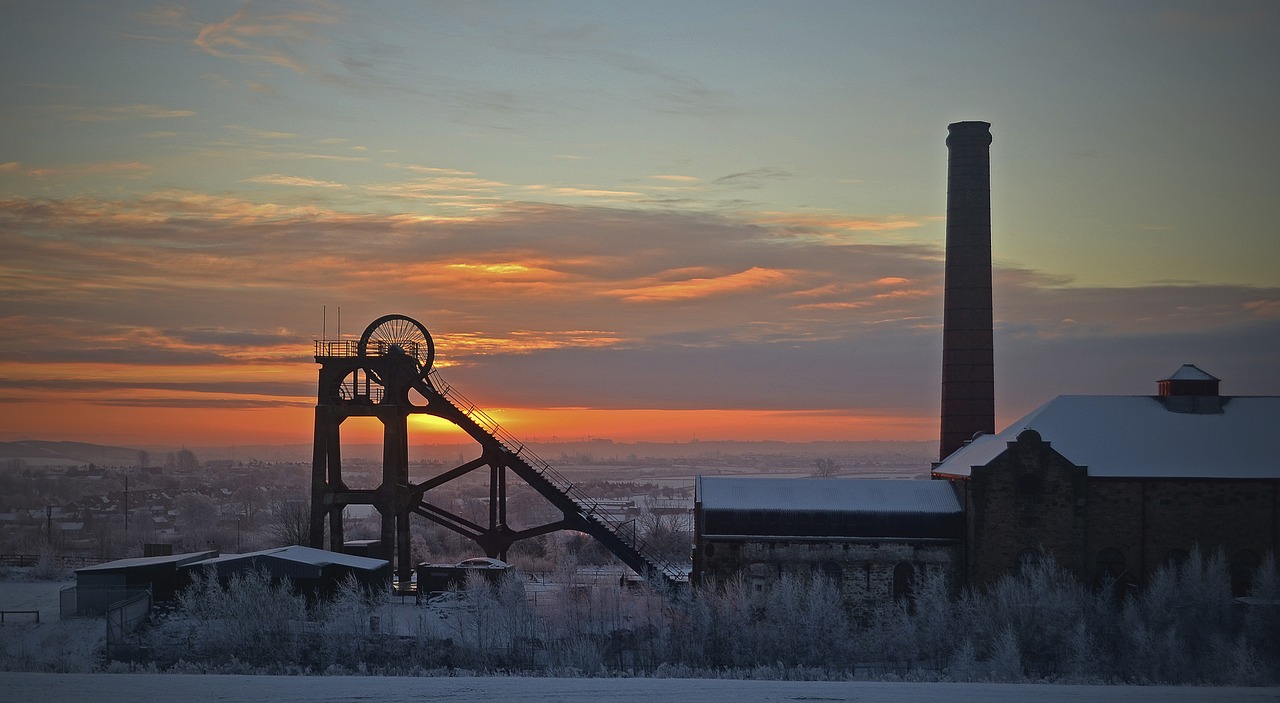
<point x="583" y="512"/>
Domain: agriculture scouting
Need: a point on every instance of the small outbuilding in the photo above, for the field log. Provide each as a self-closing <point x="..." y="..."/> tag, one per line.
<point x="437" y="578"/>
<point x="873" y="537"/>
<point x="313" y="572"/>
<point x="98" y="586"/>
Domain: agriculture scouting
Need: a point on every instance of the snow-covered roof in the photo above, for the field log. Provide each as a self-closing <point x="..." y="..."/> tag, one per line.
<point x="826" y="494"/>
<point x="1137" y="436"/>
<point x="174" y="559"/>
<point x="843" y="508"/>
<point x="308" y="556"/>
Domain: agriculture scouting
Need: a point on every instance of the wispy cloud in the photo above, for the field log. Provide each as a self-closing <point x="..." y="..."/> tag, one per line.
<point x="138" y="111"/>
<point x="264" y="134"/>
<point x="753" y="179"/>
<point x="267" y="36"/>
<point x="692" y="288"/>
<point x="834" y="222"/>
<point x="135" y="168"/>
<point x="283" y="180"/>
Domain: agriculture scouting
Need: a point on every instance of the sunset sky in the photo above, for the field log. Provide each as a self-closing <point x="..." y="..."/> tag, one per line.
<point x="644" y="221"/>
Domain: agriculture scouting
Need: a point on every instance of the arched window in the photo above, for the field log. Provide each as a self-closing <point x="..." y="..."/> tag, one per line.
<point x="1110" y="571"/>
<point x="833" y="572"/>
<point x="904" y="576"/>
<point x="1244" y="564"/>
<point x="1174" y="559"/>
<point x="1027" y="559"/>
<point x="1109" y="563"/>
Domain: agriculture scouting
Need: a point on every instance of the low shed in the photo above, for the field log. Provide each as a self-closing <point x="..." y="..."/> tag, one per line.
<point x="315" y="572"/>
<point x="100" y="585"/>
<point x="873" y="537"/>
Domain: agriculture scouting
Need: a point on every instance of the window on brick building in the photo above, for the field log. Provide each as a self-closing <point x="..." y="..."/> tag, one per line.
<point x="1027" y="558"/>
<point x="1174" y="558"/>
<point x="1244" y="564"/>
<point x="904" y="576"/>
<point x="833" y="572"/>
<point x="1109" y="563"/>
<point x="1110" y="571"/>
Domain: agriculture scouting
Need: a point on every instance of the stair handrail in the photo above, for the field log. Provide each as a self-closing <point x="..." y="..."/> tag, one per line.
<point x="591" y="506"/>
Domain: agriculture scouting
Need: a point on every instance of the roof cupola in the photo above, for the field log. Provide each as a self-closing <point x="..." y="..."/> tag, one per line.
<point x="1191" y="390"/>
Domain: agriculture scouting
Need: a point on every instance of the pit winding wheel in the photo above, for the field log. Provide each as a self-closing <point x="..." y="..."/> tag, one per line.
<point x="402" y="333"/>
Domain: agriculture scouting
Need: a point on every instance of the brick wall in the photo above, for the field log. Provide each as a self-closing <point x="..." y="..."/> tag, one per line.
<point x="1031" y="497"/>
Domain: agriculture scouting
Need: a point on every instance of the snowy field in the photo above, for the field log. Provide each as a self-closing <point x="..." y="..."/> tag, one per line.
<point x="32" y="595"/>
<point x="190" y="688"/>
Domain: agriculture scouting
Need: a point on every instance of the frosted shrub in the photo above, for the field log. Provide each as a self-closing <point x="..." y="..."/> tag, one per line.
<point x="935" y="619"/>
<point x="1006" y="656"/>
<point x="963" y="665"/>
<point x="1261" y="622"/>
<point x="1180" y="628"/>
<point x="1040" y="607"/>
<point x="252" y="620"/>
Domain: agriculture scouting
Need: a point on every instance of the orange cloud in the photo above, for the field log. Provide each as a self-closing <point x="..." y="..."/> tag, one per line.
<point x="1264" y="308"/>
<point x="251" y="36"/>
<point x="753" y="278"/>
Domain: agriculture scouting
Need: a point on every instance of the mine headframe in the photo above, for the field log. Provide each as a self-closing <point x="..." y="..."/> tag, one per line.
<point x="388" y="374"/>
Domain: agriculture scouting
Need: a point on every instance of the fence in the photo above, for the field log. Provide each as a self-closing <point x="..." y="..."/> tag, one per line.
<point x="64" y="560"/>
<point x="124" y="616"/>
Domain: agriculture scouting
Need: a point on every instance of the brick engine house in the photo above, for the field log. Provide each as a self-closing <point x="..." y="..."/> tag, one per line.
<point x="1111" y="487"/>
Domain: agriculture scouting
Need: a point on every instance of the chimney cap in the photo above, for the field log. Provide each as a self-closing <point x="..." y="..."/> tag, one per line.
<point x="969" y="132"/>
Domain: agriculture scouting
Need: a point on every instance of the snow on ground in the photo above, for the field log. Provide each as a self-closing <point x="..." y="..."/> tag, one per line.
<point x="192" y="688"/>
<point x="32" y="595"/>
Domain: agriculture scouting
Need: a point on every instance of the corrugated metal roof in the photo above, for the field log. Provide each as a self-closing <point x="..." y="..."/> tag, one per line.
<point x="138" y="562"/>
<point x="307" y="556"/>
<point x="799" y="508"/>
<point x="826" y="494"/>
<point x="1137" y="437"/>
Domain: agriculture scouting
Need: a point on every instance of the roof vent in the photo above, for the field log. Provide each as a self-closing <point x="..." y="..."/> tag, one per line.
<point x="1191" y="390"/>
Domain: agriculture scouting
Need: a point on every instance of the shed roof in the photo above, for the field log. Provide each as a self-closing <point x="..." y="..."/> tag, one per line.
<point x="304" y="556"/>
<point x="1138" y="437"/>
<point x="828" y="508"/>
<point x="826" y="494"/>
<point x="174" y="560"/>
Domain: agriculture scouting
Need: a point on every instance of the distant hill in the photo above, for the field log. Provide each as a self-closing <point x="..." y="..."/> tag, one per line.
<point x="42" y="452"/>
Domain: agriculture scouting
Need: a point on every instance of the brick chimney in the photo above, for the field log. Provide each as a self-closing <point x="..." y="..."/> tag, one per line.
<point x="968" y="367"/>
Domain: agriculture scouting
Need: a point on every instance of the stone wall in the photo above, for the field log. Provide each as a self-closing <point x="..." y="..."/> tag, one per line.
<point x="864" y="568"/>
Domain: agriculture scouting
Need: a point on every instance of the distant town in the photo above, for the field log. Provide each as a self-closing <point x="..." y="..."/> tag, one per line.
<point x="106" y="502"/>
